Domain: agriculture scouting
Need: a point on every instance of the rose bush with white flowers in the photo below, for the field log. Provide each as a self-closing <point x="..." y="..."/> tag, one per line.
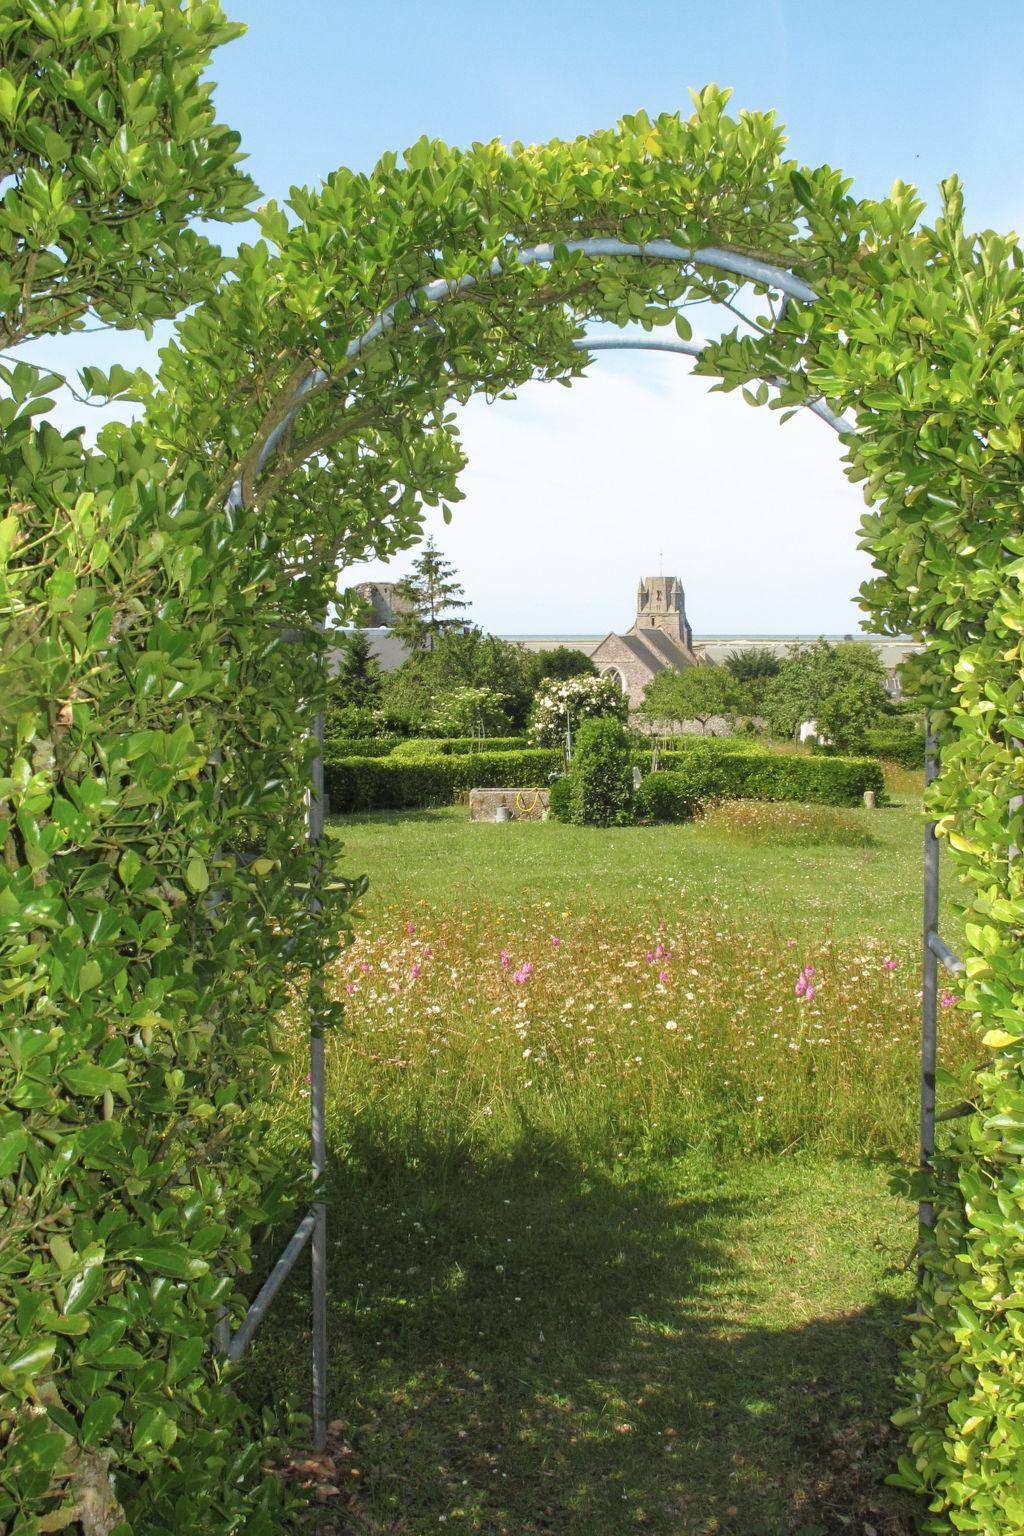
<point x="570" y="701"/>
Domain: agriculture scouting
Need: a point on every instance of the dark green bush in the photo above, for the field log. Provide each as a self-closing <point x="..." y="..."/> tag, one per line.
<point x="666" y="797"/>
<point x="399" y="783"/>
<point x="601" y="775"/>
<point x="560" y="798"/>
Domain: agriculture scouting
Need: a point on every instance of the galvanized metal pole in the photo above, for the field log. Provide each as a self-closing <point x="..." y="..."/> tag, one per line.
<point x="929" y="982"/>
<point x="318" y="1146"/>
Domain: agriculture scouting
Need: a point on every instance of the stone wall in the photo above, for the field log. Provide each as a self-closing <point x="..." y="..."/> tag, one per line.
<point x="522" y="804"/>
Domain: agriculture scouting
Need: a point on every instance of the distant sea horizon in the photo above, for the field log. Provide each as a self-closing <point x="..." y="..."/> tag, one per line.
<point x="746" y="634"/>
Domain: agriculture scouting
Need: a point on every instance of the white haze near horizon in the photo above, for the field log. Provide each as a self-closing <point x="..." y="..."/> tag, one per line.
<point x="571" y="495"/>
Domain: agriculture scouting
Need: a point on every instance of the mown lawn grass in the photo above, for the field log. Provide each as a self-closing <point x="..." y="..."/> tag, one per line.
<point x="614" y="1245"/>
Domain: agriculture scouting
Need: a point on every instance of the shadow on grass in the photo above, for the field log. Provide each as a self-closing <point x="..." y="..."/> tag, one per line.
<point x="529" y="1346"/>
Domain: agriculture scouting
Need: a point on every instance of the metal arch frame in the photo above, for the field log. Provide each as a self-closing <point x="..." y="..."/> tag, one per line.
<point x="313" y="1224"/>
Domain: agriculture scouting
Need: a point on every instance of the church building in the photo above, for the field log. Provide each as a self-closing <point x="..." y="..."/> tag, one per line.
<point x="661" y="637"/>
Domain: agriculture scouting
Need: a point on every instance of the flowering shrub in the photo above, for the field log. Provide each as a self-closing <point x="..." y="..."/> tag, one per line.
<point x="462" y="711"/>
<point x="570" y="702"/>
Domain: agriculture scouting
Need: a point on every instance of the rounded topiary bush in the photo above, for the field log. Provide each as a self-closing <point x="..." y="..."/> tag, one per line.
<point x="601" y="775"/>
<point x="666" y="797"/>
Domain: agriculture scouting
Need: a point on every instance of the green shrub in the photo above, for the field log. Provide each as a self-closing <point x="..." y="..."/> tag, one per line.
<point x="601" y="775"/>
<point x="400" y="783"/>
<point x="666" y="797"/>
<point x="769" y="776"/>
<point x="561" y="797"/>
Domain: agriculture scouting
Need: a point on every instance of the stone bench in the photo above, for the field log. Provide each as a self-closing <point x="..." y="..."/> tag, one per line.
<point x="521" y="804"/>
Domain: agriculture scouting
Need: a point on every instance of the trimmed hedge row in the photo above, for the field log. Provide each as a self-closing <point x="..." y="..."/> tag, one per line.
<point x="763" y="776"/>
<point x="453" y="746"/>
<point x="360" y="746"/>
<point x="394" y="784"/>
<point x="898" y="747"/>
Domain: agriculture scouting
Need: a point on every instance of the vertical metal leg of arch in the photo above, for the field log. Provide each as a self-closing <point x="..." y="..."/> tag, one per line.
<point x="929" y="984"/>
<point x="318" y="1150"/>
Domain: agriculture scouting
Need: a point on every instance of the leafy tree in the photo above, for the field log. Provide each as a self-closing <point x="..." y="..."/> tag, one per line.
<point x="812" y="676"/>
<point x="699" y="693"/>
<point x="752" y="664"/>
<point x="753" y="668"/>
<point x="462" y="658"/>
<point x="562" y="661"/>
<point x="433" y="596"/>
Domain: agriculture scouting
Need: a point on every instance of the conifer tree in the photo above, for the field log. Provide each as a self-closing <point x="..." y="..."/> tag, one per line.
<point x="433" y="595"/>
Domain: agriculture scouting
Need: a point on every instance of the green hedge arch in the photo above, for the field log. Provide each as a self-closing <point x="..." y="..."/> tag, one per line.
<point x="158" y="719"/>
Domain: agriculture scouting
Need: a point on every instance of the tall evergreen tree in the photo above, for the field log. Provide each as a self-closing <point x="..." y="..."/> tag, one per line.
<point x="434" y="596"/>
<point x="357" y="680"/>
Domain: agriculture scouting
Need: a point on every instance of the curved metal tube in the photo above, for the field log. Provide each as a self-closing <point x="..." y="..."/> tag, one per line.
<point x="733" y="262"/>
<point x="693" y="349"/>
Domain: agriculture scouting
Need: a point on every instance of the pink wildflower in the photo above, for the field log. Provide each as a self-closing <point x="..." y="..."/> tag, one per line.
<point x="660" y="951"/>
<point x="364" y="966"/>
<point x="663" y="976"/>
<point x="948" y="1000"/>
<point x="428" y="953"/>
<point x="349" y="988"/>
<point x="414" y="973"/>
<point x="801" y="986"/>
<point x="555" y="941"/>
<point x="410" y="929"/>
<point x="791" y="943"/>
<point x="888" y="964"/>
<point x="809" y="994"/>
<point x="650" y="957"/>
<point x="505" y="962"/>
<point x="808" y="971"/>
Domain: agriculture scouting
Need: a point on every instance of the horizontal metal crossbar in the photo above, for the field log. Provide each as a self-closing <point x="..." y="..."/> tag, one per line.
<point x="695" y="349"/>
<point x="272" y="1284"/>
<point x="954" y="965"/>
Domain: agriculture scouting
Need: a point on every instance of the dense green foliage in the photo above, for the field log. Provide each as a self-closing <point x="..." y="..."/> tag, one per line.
<point x="561" y="661"/>
<point x="141" y="624"/>
<point x="356" y="683"/>
<point x="393" y="783"/>
<point x="419" y="692"/>
<point x="771" y="776"/>
<point x="666" y="797"/>
<point x="841" y="687"/>
<point x="702" y="693"/>
<point x="155" y="717"/>
<point x="903" y="747"/>
<point x="601" y="775"/>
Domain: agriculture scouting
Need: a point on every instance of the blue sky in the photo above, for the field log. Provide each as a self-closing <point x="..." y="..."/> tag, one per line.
<point x="572" y="495"/>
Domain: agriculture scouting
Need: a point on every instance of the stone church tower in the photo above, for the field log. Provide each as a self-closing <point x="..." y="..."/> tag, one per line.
<point x="660" y="637"/>
<point x="661" y="604"/>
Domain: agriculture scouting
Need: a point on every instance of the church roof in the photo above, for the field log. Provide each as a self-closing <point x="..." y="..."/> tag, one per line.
<point x="668" y="653"/>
